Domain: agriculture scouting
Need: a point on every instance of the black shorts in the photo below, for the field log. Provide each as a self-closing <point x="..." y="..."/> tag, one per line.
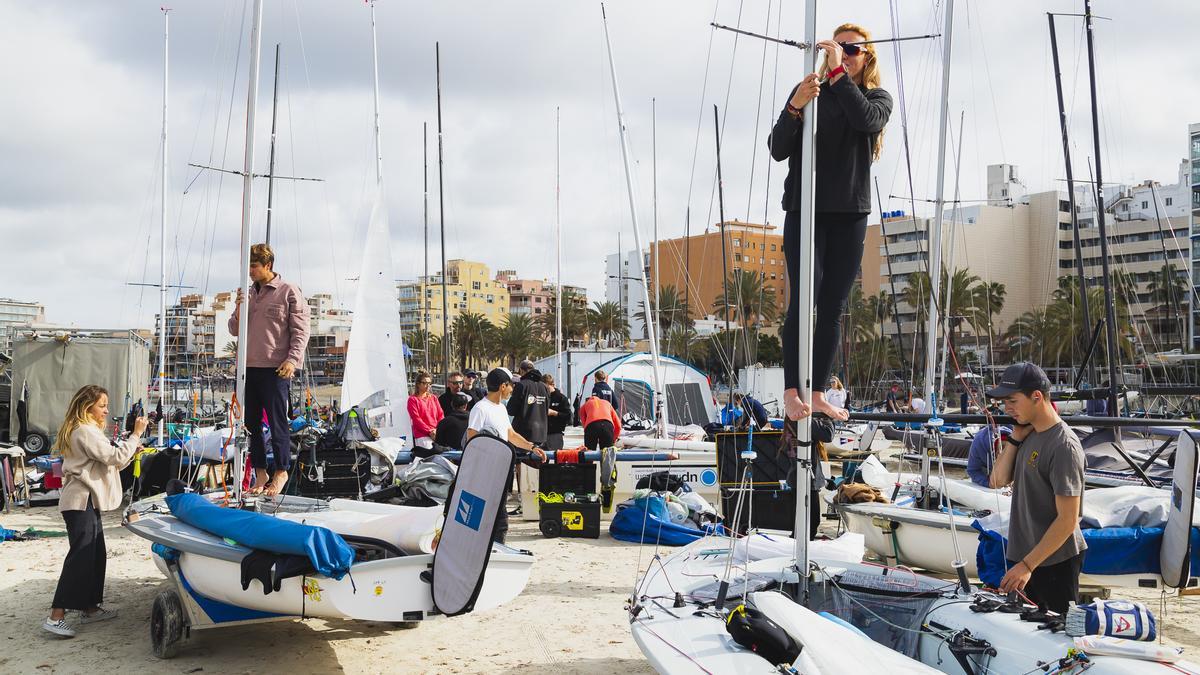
<point x="1055" y="587"/>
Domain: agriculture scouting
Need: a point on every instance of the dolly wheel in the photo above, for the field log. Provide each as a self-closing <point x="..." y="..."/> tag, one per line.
<point x="550" y="528"/>
<point x="166" y="623"/>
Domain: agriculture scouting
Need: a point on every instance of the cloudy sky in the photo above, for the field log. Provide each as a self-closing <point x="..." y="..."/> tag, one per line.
<point x="80" y="127"/>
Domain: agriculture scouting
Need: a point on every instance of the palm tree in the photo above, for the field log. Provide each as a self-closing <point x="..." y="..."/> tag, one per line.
<point x="1168" y="290"/>
<point x="683" y="343"/>
<point x="990" y="302"/>
<point x="471" y="333"/>
<point x="608" y="322"/>
<point x="575" y="318"/>
<point x="418" y="341"/>
<point x="746" y="299"/>
<point x="230" y="349"/>
<point x="515" y="339"/>
<point x="670" y="309"/>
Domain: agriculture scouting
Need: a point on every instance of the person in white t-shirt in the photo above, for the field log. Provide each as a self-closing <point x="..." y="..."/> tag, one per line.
<point x="917" y="405"/>
<point x="490" y="416"/>
<point x="835" y="395"/>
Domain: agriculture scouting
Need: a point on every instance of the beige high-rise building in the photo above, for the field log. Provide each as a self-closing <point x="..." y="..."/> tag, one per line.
<point x="469" y="288"/>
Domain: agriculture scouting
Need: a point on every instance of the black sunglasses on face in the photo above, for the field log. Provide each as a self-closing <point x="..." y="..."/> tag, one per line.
<point x="851" y="49"/>
<point x="456" y="381"/>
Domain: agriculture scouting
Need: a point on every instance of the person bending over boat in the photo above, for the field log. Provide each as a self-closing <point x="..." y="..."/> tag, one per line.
<point x="275" y="342"/>
<point x="601" y="423"/>
<point x="850" y="122"/>
<point x="1043" y="461"/>
<point x="490" y="416"/>
<point x="91" y="484"/>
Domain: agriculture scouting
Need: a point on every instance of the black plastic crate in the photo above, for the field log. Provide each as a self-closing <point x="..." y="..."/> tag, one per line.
<point x="563" y="478"/>
<point x="570" y="519"/>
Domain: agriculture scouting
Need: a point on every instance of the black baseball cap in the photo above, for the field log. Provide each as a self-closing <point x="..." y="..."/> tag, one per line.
<point x="497" y="377"/>
<point x="1020" y="377"/>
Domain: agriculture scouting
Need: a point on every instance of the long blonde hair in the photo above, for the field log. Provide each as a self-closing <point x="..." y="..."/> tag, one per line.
<point x="78" y="415"/>
<point x="869" y="76"/>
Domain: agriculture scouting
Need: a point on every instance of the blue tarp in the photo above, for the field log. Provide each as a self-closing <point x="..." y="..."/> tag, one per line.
<point x="627" y="525"/>
<point x="326" y="550"/>
<point x="1111" y="550"/>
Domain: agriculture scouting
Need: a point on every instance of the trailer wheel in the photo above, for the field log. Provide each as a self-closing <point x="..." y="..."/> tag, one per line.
<point x="166" y="624"/>
<point x="36" y="443"/>
<point x="550" y="528"/>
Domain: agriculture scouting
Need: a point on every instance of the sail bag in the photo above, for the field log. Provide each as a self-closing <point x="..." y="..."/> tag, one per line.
<point x="475" y="500"/>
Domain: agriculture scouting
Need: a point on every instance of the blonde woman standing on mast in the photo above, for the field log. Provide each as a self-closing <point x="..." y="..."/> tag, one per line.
<point x="851" y="116"/>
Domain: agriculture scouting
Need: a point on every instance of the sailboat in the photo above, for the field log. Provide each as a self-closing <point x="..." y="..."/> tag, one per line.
<point x="330" y="559"/>
<point x="819" y="608"/>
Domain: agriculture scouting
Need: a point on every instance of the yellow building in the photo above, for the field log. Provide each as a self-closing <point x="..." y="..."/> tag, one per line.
<point x="469" y="288"/>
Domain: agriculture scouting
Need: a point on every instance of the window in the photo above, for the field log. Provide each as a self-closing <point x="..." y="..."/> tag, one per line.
<point x="1145" y="205"/>
<point x="772" y="247"/>
<point x="1004" y="192"/>
<point x="737" y="257"/>
<point x="1169" y="200"/>
<point x="1064" y="206"/>
<point x="737" y="242"/>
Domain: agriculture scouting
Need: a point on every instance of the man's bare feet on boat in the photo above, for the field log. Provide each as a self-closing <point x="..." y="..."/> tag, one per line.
<point x="820" y="405"/>
<point x="260" y="481"/>
<point x="794" y="406"/>
<point x="278" y="482"/>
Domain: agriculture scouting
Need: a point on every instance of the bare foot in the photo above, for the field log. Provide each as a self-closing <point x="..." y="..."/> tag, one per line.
<point x="795" y="406"/>
<point x="278" y="482"/>
<point x="260" y="482"/>
<point x="820" y="405"/>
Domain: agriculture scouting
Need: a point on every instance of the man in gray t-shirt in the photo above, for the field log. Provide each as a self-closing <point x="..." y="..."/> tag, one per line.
<point x="1043" y="461"/>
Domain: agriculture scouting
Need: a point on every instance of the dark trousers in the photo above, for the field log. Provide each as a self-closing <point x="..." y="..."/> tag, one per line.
<point x="267" y="391"/>
<point x="554" y="441"/>
<point x="837" y="255"/>
<point x="502" y="515"/>
<point x="81" y="584"/>
<point x="1054" y="587"/>
<point x="599" y="434"/>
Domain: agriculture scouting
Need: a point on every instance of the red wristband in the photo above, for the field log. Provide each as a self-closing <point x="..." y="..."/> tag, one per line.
<point x="835" y="72"/>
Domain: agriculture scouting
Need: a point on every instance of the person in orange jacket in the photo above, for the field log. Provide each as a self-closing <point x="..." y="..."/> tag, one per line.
<point x="600" y="422"/>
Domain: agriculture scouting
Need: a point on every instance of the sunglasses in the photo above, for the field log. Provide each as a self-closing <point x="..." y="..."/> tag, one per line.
<point x="851" y="49"/>
<point x="456" y="381"/>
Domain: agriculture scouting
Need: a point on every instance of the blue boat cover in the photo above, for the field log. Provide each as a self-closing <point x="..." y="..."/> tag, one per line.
<point x="1110" y="550"/>
<point x="627" y="525"/>
<point x="326" y="550"/>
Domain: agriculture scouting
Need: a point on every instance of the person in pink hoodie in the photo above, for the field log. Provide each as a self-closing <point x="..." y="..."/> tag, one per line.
<point x="425" y="411"/>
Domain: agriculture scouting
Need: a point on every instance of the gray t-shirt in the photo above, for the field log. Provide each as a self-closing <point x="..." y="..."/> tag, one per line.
<point x="1048" y="463"/>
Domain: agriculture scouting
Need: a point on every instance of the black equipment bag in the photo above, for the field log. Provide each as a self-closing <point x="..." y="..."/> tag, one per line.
<point x="751" y="629"/>
<point x="327" y="466"/>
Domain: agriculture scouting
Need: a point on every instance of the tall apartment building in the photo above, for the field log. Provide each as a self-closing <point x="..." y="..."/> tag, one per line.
<point x="535" y="297"/>
<point x="623" y="285"/>
<point x="1028" y="244"/>
<point x="694" y="264"/>
<point x="16" y="313"/>
<point x="469" y="288"/>
<point x="1194" y="165"/>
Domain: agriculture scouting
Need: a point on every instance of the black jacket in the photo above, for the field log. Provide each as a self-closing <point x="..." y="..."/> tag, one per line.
<point x="451" y="428"/>
<point x="447" y="401"/>
<point x="849" y="117"/>
<point x="528" y="407"/>
<point x="556" y="424"/>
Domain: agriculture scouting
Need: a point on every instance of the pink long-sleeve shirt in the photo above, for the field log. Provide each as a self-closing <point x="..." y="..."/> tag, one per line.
<point x="279" y="318"/>
<point x="425" y="413"/>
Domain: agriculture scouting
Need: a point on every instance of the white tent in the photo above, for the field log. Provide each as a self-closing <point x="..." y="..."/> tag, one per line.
<point x="689" y="397"/>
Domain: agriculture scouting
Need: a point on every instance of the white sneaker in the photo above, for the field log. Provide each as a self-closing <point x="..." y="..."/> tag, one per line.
<point x="60" y="628"/>
<point x="101" y="614"/>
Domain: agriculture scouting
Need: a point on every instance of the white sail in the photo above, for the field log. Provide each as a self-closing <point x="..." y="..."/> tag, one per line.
<point x="375" y="379"/>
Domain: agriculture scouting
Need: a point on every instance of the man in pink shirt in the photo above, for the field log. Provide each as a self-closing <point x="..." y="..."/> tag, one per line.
<point x="275" y="344"/>
<point x="425" y="411"/>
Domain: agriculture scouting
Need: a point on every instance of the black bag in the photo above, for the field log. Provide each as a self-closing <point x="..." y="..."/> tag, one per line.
<point x="331" y="467"/>
<point x="660" y="481"/>
<point x="751" y="629"/>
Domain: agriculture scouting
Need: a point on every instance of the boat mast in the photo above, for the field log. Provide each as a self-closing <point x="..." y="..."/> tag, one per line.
<point x="657" y="310"/>
<point x="631" y="189"/>
<point x="935" y="234"/>
<point x="162" y="243"/>
<point x="1110" y="315"/>
<point x="271" y="162"/>
<point x="558" y="311"/>
<point x="375" y="73"/>
<point x="437" y="52"/>
<point x="425" y="256"/>
<point x="247" y="215"/>
<point x="1066" y="143"/>
<point x="728" y="358"/>
<point x="805" y="298"/>
<point x="947" y="296"/>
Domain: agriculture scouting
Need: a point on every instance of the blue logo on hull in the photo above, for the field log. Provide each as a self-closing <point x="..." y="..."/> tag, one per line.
<point x="470" y="510"/>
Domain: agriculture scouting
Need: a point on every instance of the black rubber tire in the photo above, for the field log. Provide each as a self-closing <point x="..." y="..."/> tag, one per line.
<point x="550" y="528"/>
<point x="166" y="624"/>
<point x="36" y="444"/>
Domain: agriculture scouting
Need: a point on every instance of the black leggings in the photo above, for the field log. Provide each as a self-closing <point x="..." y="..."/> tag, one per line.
<point x="839" y="249"/>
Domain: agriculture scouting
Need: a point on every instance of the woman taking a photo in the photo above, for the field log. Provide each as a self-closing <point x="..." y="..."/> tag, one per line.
<point x="91" y="484"/>
<point x="851" y="115"/>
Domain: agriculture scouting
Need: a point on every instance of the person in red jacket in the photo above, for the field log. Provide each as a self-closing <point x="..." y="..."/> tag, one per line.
<point x="601" y="424"/>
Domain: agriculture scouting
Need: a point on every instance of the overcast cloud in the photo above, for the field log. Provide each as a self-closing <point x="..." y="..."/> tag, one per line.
<point x="79" y="130"/>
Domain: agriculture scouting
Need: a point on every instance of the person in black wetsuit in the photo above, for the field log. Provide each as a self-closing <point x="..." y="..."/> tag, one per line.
<point x="852" y="113"/>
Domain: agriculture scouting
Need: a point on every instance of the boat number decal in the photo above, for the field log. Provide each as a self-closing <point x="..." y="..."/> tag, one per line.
<point x="703" y="476"/>
<point x="572" y="520"/>
<point x="312" y="589"/>
<point x="470" y="510"/>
